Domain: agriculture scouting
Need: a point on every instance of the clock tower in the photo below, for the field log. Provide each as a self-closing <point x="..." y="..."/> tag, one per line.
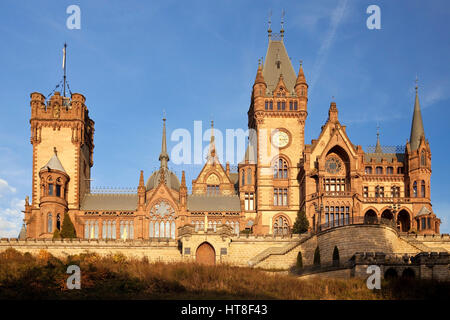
<point x="277" y="115"/>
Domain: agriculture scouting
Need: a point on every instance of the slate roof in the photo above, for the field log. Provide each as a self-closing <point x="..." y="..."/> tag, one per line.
<point x="276" y="51"/>
<point x="108" y="201"/>
<point x="54" y="164"/>
<point x="213" y="203"/>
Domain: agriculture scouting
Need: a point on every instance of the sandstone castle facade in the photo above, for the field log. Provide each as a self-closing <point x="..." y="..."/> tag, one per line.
<point x="372" y="207"/>
<point x="332" y="180"/>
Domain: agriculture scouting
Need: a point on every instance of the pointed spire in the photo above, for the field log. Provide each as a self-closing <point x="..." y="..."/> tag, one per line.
<point x="269" y="30"/>
<point x="281" y="81"/>
<point x="378" y="145"/>
<point x="164" y="156"/>
<point x="417" y="130"/>
<point x="301" y="76"/>
<point x="141" y="179"/>
<point x="333" y="112"/>
<point x="54" y="163"/>
<point x="212" y="145"/>
<point x="259" y="74"/>
<point x="183" y="179"/>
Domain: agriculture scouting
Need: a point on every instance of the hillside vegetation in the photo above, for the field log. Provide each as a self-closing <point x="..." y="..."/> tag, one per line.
<point x="23" y="276"/>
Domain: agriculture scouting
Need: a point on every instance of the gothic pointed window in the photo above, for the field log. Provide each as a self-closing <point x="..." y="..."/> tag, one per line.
<point x="249" y="176"/>
<point x="422" y="189"/>
<point x="58" y="222"/>
<point x="281" y="226"/>
<point x="423" y="161"/>
<point x="415" y="189"/>
<point x="49" y="223"/>
<point x="280" y="169"/>
<point x="50" y="189"/>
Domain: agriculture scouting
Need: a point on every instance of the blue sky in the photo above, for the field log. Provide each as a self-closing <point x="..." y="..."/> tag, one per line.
<point x="198" y="59"/>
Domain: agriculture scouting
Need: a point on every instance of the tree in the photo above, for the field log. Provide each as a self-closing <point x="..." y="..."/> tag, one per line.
<point x="56" y="234"/>
<point x="299" y="260"/>
<point x="317" y="257"/>
<point x="68" y="230"/>
<point x="335" y="256"/>
<point x="301" y="224"/>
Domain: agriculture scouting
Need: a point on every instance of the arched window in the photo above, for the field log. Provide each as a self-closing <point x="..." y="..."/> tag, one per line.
<point x="422" y="189"/>
<point x="270" y="105"/>
<point x="49" y="223"/>
<point x="58" y="222"/>
<point x="389" y="170"/>
<point x="280" y="169"/>
<point x="114" y="229"/>
<point x="415" y="189"/>
<point x="172" y="230"/>
<point x="379" y="170"/>
<point x="156" y="229"/>
<point x="281" y="226"/>
<point x="150" y="229"/>
<point x="266" y="106"/>
<point x="167" y="229"/>
<point x="161" y="229"/>
<point x="423" y="160"/>
<point x="243" y="177"/>
<point x="295" y="102"/>
<point x="249" y="176"/>
<point x="395" y="191"/>
<point x="368" y="170"/>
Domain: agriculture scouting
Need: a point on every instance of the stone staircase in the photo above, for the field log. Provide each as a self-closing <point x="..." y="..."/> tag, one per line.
<point x="420" y="246"/>
<point x="277" y="250"/>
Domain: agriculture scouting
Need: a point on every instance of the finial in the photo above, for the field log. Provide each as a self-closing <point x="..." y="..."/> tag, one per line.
<point x="212" y="123"/>
<point x="164" y="115"/>
<point x="269" y="30"/>
<point x="378" y="131"/>
<point x="332" y="98"/>
<point x="282" y="20"/>
<point x="417" y="82"/>
<point x="301" y="62"/>
<point x="54" y="150"/>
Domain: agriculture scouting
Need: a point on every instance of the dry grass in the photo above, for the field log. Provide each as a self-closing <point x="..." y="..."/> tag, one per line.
<point x="23" y="276"/>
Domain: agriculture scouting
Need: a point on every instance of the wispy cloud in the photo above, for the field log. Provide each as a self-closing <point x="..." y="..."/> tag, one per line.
<point x="5" y="188"/>
<point x="322" y="55"/>
<point x="11" y="208"/>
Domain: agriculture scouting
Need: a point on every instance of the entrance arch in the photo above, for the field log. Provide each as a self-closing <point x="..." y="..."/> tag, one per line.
<point x="403" y="221"/>
<point x="387" y="214"/>
<point x="205" y="254"/>
<point x="370" y="217"/>
<point x="390" y="273"/>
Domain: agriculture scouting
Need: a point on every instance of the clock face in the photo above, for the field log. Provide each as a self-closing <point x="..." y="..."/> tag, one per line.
<point x="333" y="165"/>
<point x="280" y="139"/>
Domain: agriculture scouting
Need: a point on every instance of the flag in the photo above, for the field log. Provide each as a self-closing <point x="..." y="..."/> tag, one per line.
<point x="64" y="57"/>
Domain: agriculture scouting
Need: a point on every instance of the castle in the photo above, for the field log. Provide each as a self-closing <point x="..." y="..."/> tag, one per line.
<point x="337" y="184"/>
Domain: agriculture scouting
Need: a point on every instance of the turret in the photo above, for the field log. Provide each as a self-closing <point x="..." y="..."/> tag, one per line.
<point x="141" y="191"/>
<point x="53" y="195"/>
<point x="301" y="88"/>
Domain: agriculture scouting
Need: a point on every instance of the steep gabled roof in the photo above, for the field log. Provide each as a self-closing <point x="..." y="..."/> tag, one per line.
<point x="277" y="62"/>
<point x="54" y="163"/>
<point x="417" y="130"/>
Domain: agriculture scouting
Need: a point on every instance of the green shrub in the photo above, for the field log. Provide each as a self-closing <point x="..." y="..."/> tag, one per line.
<point x="68" y="229"/>
<point x="301" y="224"/>
<point x="56" y="234"/>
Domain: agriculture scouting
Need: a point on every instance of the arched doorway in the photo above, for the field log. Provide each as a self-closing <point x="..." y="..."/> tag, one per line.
<point x="205" y="254"/>
<point x="390" y="273"/>
<point x="370" y="217"/>
<point x="387" y="214"/>
<point x="408" y="273"/>
<point x="403" y="221"/>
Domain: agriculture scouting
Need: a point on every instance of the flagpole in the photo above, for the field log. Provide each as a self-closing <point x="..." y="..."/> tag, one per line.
<point x="64" y="67"/>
